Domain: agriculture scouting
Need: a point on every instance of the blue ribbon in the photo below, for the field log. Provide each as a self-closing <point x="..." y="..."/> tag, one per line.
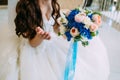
<point x="71" y="62"/>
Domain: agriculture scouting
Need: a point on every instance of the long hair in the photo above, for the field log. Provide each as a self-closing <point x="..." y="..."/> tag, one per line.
<point x="29" y="16"/>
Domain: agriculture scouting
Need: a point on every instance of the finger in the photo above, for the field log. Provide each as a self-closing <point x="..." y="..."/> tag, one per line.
<point x="45" y="35"/>
<point x="48" y="37"/>
<point x="41" y="35"/>
<point x="38" y="29"/>
<point x="40" y="32"/>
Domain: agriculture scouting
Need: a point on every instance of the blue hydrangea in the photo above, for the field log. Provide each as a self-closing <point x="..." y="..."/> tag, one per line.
<point x="69" y="36"/>
<point x="71" y="16"/>
<point x="86" y="33"/>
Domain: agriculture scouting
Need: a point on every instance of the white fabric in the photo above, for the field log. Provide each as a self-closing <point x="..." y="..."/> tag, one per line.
<point x="47" y="61"/>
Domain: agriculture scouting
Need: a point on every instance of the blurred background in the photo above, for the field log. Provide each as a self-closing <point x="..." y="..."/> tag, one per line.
<point x="109" y="31"/>
<point x="3" y="2"/>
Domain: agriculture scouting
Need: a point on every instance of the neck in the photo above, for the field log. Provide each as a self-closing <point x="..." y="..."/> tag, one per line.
<point x="44" y="2"/>
<point x="46" y="8"/>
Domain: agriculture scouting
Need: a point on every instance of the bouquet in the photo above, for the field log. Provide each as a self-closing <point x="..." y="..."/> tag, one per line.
<point x="79" y="25"/>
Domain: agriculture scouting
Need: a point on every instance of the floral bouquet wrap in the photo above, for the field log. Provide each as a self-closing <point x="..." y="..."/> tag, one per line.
<point x="77" y="25"/>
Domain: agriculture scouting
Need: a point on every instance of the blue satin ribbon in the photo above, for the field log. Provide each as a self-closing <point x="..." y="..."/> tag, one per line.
<point x="71" y="62"/>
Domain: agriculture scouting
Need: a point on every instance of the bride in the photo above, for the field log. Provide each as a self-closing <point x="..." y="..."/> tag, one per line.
<point x="38" y="53"/>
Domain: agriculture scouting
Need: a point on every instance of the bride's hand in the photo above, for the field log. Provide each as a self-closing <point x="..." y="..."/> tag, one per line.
<point x="41" y="34"/>
<point x="39" y="37"/>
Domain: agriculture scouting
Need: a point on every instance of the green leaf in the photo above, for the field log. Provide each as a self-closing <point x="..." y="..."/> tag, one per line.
<point x="93" y="34"/>
<point x="85" y="43"/>
<point x="97" y="13"/>
<point x="78" y="38"/>
<point x="87" y="12"/>
<point x="59" y="33"/>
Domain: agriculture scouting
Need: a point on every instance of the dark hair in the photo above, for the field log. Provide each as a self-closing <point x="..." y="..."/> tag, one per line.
<point x="29" y="16"/>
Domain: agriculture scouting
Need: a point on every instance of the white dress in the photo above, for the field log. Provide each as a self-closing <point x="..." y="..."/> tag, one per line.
<point x="20" y="61"/>
<point x="47" y="61"/>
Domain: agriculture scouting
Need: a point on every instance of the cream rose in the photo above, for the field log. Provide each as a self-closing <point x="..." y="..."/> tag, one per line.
<point x="93" y="27"/>
<point x="97" y="19"/>
<point x="74" y="32"/>
<point x="80" y="17"/>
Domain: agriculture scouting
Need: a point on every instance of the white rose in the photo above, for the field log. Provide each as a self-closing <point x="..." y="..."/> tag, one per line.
<point x="61" y="20"/>
<point x="62" y="29"/>
<point x="74" y="32"/>
<point x="87" y="22"/>
<point x="87" y="26"/>
<point x="64" y="20"/>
